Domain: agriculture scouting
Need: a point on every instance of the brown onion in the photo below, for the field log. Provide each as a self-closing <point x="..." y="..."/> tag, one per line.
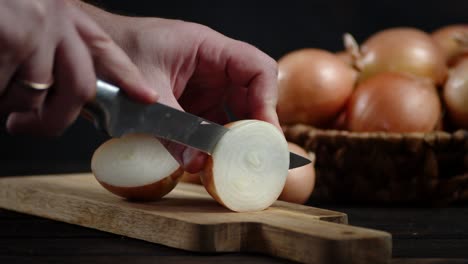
<point x="136" y="167"/>
<point x="314" y="86"/>
<point x="394" y="102"/>
<point x="346" y="57"/>
<point x="407" y="50"/>
<point x="300" y="181"/>
<point x="453" y="40"/>
<point x="191" y="178"/>
<point x="455" y="95"/>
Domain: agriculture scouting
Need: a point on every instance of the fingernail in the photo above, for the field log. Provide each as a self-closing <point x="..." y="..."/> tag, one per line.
<point x="154" y="95"/>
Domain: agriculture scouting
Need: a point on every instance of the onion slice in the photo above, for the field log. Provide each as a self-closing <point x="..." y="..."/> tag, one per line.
<point x="248" y="168"/>
<point x="137" y="167"/>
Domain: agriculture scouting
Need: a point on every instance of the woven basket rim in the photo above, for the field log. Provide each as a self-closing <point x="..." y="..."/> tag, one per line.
<point x="360" y="135"/>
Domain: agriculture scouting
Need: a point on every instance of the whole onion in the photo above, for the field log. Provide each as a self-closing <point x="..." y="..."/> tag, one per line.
<point x="394" y="102"/>
<point x="314" y="86"/>
<point x="406" y="50"/>
<point x="453" y="40"/>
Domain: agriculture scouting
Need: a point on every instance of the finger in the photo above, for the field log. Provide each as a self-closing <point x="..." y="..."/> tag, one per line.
<point x="7" y="68"/>
<point x="200" y="101"/>
<point x="247" y="67"/>
<point x="111" y="62"/>
<point x="36" y="69"/>
<point x="216" y="114"/>
<point x="237" y="102"/>
<point x="194" y="160"/>
<point x="21" y="98"/>
<point x="75" y="83"/>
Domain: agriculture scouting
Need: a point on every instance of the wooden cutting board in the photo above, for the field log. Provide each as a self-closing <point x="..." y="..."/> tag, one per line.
<point x="188" y="218"/>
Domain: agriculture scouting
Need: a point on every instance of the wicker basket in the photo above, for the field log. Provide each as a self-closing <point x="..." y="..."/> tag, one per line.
<point x="386" y="168"/>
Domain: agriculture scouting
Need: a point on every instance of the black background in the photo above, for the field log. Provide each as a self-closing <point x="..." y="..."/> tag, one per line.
<point x="275" y="27"/>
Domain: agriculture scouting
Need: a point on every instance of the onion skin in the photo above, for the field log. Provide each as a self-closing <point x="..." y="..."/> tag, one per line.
<point x="313" y="87"/>
<point x="208" y="181"/>
<point x="455" y="95"/>
<point x="407" y="50"/>
<point x="301" y="181"/>
<point x="453" y="41"/>
<point x="346" y="57"/>
<point x="394" y="102"/>
<point x="149" y="192"/>
<point x="191" y="178"/>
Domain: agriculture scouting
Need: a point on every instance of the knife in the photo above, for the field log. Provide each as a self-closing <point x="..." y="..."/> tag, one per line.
<point x="116" y="114"/>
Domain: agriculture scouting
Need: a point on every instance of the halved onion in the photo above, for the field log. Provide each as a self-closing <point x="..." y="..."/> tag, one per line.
<point x="137" y="167"/>
<point x="247" y="170"/>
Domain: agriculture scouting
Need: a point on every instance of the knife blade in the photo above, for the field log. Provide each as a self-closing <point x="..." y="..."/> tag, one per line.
<point x="116" y="114"/>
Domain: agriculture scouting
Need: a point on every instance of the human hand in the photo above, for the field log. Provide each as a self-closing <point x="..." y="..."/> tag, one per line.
<point x="198" y="70"/>
<point x="44" y="41"/>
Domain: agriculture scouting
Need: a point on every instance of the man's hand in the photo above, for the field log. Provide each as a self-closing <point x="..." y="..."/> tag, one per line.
<point x="198" y="70"/>
<point x="44" y="42"/>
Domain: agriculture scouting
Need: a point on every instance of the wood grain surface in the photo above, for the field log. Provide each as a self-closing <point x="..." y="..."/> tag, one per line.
<point x="189" y="219"/>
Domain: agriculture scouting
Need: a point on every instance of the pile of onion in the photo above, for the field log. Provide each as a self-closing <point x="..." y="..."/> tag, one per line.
<point x="314" y="86"/>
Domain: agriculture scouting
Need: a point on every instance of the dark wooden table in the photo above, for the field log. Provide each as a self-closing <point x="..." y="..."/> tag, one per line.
<point x="420" y="235"/>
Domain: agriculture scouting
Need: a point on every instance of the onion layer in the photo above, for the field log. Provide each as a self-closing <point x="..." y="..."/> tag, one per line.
<point x="248" y="168"/>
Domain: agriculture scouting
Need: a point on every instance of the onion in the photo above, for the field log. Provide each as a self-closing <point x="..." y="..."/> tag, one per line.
<point x="453" y="40"/>
<point x="455" y="95"/>
<point x="248" y="168"/>
<point x="340" y="122"/>
<point x="406" y="50"/>
<point x="394" y="102"/>
<point x="346" y="57"/>
<point x="191" y="178"/>
<point x="301" y="181"/>
<point x="137" y="167"/>
<point x="314" y="86"/>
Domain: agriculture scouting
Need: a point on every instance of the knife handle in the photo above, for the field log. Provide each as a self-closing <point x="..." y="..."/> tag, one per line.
<point x="100" y="108"/>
